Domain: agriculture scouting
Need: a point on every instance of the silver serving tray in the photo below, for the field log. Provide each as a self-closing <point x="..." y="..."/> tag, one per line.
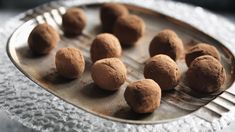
<point x="181" y="103"/>
<point x="85" y="95"/>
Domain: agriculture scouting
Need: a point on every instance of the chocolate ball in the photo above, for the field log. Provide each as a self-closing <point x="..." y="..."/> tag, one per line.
<point x="200" y="50"/>
<point x="109" y="73"/>
<point x="143" y="96"/>
<point x="43" y="39"/>
<point x="109" y="13"/>
<point x="166" y="42"/>
<point x="205" y="74"/>
<point x="69" y="62"/>
<point x="105" y="46"/>
<point x="129" y="29"/>
<point x="73" y="21"/>
<point x="163" y="70"/>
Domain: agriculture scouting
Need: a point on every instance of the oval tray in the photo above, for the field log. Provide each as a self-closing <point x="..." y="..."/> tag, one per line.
<point x="82" y="93"/>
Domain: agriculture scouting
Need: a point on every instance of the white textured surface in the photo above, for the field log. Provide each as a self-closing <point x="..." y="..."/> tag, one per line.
<point x="38" y="109"/>
<point x="6" y="124"/>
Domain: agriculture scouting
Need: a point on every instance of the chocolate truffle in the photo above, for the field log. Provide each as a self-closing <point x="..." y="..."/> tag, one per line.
<point x="109" y="73"/>
<point x="105" y="46"/>
<point x="166" y="42"/>
<point x="163" y="70"/>
<point x="205" y="74"/>
<point x="43" y="39"/>
<point x="143" y="96"/>
<point x="129" y="29"/>
<point x="109" y="13"/>
<point x="199" y="50"/>
<point x="73" y="21"/>
<point x="69" y="62"/>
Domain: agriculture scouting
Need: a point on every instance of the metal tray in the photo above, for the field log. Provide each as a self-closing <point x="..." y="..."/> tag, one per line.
<point x="180" y="109"/>
<point x="85" y="95"/>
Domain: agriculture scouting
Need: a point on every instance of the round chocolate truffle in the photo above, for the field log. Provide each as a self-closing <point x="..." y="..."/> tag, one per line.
<point x="73" y="21"/>
<point x="109" y="13"/>
<point x="105" y="46"/>
<point x="129" y="29"/>
<point x="166" y="42"/>
<point x="43" y="39"/>
<point x="143" y="96"/>
<point x="163" y="70"/>
<point x="205" y="74"/>
<point x="69" y="62"/>
<point x="200" y="50"/>
<point x="109" y="73"/>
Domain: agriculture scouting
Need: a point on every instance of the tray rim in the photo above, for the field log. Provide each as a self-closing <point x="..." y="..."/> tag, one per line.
<point x="120" y="0"/>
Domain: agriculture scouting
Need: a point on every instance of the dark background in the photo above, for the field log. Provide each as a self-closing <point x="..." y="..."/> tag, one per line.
<point x="215" y="5"/>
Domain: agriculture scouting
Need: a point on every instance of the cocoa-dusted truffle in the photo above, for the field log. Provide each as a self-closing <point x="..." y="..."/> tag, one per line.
<point x="109" y="73"/>
<point x="109" y="13"/>
<point x="143" y="96"/>
<point x="73" y="21"/>
<point x="129" y="29"/>
<point x="43" y="39"/>
<point x="199" y="50"/>
<point x="105" y="46"/>
<point x="166" y="42"/>
<point x="69" y="62"/>
<point x="205" y="74"/>
<point x="163" y="70"/>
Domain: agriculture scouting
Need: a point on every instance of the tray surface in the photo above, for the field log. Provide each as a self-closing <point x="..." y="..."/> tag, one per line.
<point x="84" y="94"/>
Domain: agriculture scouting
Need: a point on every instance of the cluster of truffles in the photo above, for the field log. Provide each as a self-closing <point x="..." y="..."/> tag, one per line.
<point x="202" y="59"/>
<point x="43" y="38"/>
<point x="204" y="65"/>
<point x="128" y="28"/>
<point x="109" y="72"/>
<point x="165" y="48"/>
<point x="109" y="13"/>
